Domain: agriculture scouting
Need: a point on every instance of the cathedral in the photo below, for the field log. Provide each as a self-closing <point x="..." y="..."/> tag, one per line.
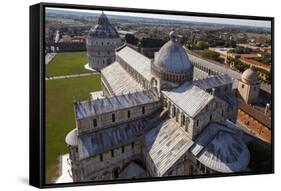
<point x="156" y="118"/>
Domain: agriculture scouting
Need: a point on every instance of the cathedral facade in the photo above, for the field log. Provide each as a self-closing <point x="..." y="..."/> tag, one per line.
<point x="101" y="43"/>
<point x="154" y="118"/>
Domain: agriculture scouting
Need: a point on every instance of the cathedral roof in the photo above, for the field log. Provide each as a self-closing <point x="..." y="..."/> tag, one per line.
<point x="165" y="144"/>
<point x="221" y="148"/>
<point x="213" y="81"/>
<point x="118" y="79"/>
<point x="137" y="61"/>
<point x="109" y="104"/>
<point x="172" y="57"/>
<point x="103" y="29"/>
<point x="106" y="139"/>
<point x="196" y="98"/>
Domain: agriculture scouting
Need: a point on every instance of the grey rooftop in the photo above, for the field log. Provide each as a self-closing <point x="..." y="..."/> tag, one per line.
<point x="101" y="141"/>
<point x="213" y="81"/>
<point x="189" y="98"/>
<point x="90" y="108"/>
<point x="165" y="144"/>
<point x="119" y="80"/>
<point x="221" y="148"/>
<point x="136" y="60"/>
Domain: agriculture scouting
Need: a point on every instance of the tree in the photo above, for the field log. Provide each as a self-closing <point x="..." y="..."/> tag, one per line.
<point x="210" y="54"/>
<point x="131" y="39"/>
<point x="201" y="45"/>
<point x="152" y="42"/>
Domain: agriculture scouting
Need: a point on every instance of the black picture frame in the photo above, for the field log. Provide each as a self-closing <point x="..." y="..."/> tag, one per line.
<point x="37" y="92"/>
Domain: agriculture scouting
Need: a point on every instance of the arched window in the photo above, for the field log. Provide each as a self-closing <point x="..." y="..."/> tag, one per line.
<point x="143" y="110"/>
<point x="133" y="145"/>
<point x="116" y="172"/>
<point x="94" y="122"/>
<point x="186" y="124"/>
<point x="113" y="117"/>
<point x="183" y="120"/>
<point x="109" y="61"/>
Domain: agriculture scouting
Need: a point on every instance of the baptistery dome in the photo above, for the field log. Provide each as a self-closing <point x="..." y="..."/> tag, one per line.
<point x="171" y="62"/>
<point x="101" y="43"/>
<point x="103" y="29"/>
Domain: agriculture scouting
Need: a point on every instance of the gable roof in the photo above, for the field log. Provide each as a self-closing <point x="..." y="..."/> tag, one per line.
<point x="136" y="60"/>
<point x="189" y="98"/>
<point x="101" y="141"/>
<point x="213" y="81"/>
<point x="90" y="108"/>
<point x="118" y="80"/>
<point x="165" y="144"/>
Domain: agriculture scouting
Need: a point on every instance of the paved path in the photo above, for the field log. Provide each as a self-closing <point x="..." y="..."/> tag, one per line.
<point x="71" y="76"/>
<point x="65" y="170"/>
<point x="49" y="57"/>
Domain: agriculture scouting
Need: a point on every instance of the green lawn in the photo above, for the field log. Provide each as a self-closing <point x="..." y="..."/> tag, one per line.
<point x="67" y="63"/>
<point x="60" y="115"/>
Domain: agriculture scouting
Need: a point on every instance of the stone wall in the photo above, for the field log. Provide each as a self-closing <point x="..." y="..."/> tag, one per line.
<point x="109" y="164"/>
<point x="101" y="52"/>
<point x="216" y="110"/>
<point x="70" y="46"/>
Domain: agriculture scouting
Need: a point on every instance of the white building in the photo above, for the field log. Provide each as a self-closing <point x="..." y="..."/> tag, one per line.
<point x="154" y="119"/>
<point x="101" y="43"/>
<point x="249" y="86"/>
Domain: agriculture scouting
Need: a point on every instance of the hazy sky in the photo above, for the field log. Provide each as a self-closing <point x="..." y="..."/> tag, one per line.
<point x="245" y="22"/>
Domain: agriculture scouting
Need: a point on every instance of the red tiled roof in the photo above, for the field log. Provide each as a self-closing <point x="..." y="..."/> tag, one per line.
<point x="255" y="63"/>
<point x="257" y="115"/>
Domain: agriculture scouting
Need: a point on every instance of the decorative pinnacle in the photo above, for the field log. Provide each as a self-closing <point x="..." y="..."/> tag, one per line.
<point x="173" y="36"/>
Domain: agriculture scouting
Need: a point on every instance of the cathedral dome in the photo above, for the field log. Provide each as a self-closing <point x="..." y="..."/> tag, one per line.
<point x="103" y="29"/>
<point x="172" y="60"/>
<point x="250" y="76"/>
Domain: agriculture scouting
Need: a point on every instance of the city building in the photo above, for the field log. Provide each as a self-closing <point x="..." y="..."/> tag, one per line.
<point x="101" y="43"/>
<point x="153" y="119"/>
<point x="249" y="86"/>
<point x="257" y="64"/>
